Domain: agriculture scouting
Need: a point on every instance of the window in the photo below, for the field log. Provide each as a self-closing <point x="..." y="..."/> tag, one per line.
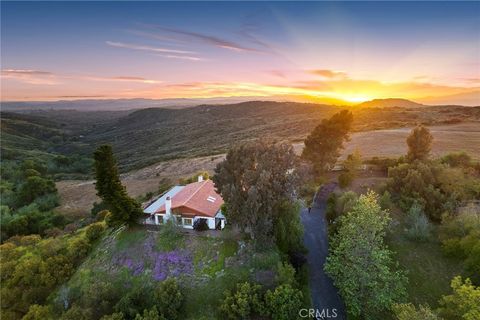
<point x="160" y="219"/>
<point x="187" y="221"/>
<point x="179" y="220"/>
<point x="211" y="199"/>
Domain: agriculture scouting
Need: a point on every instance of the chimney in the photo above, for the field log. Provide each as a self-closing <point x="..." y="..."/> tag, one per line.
<point x="168" y="207"/>
<point x="200" y="178"/>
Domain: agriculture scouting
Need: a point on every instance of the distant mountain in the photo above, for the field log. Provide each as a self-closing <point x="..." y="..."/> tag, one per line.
<point x="121" y="104"/>
<point x="389" y="103"/>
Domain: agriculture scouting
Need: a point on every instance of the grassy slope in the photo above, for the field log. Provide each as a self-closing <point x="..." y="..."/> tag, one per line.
<point x="429" y="270"/>
<point x="218" y="264"/>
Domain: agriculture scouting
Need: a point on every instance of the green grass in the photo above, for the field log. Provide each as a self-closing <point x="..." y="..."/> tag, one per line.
<point x="130" y="237"/>
<point x="429" y="270"/>
<point x="170" y="238"/>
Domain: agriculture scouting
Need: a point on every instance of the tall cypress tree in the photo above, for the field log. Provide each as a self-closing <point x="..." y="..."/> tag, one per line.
<point x="110" y="189"/>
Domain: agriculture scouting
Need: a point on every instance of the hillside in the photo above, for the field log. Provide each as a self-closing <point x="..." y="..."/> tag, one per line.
<point x="151" y="135"/>
<point x="389" y="103"/>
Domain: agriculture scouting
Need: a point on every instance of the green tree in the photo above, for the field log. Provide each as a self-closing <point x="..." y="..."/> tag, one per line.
<point x="110" y="189"/>
<point x="463" y="303"/>
<point x="37" y="312"/>
<point x="284" y="302"/>
<point x="168" y="299"/>
<point x="361" y="265"/>
<point x="407" y="311"/>
<point x="253" y="180"/>
<point x="419" y="144"/>
<point x="323" y="145"/>
<point x="288" y="228"/>
<point x="244" y="302"/>
<point x="34" y="187"/>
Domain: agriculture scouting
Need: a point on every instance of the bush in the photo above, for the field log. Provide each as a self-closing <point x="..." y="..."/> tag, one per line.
<point x="134" y="301"/>
<point x="346" y="202"/>
<point x="37" y="312"/>
<point x="386" y="200"/>
<point x="407" y="311"/>
<point x="345" y="179"/>
<point x="286" y="274"/>
<point x="419" y="227"/>
<point x="463" y="303"/>
<point x="243" y="303"/>
<point x="168" y="299"/>
<point x="94" y="231"/>
<point x="284" y="302"/>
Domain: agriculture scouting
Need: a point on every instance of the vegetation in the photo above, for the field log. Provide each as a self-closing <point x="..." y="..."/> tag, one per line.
<point x="419" y="144"/>
<point x="361" y="265"/>
<point x="32" y="268"/>
<point x="463" y="302"/>
<point x="110" y="189"/>
<point x="351" y="166"/>
<point x="323" y="145"/>
<point x="407" y="311"/>
<point x="28" y="197"/>
<point x="460" y="236"/>
<point x="254" y="180"/>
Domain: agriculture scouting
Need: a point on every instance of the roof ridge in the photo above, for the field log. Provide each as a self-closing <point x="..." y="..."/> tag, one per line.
<point x="194" y="193"/>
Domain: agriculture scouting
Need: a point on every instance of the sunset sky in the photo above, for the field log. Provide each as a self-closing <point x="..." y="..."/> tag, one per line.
<point x="328" y="52"/>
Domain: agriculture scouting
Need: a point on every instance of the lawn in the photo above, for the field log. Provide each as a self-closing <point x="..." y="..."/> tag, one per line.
<point x="429" y="270"/>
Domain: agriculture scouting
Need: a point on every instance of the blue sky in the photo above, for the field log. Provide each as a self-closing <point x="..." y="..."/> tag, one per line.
<point x="341" y="50"/>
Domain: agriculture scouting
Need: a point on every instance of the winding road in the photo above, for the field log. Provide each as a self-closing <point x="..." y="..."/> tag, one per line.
<point x="325" y="297"/>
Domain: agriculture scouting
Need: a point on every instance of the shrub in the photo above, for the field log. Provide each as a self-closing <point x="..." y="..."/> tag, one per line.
<point x="243" y="303"/>
<point x="284" y="302"/>
<point x="134" y="301"/>
<point x="345" y="179"/>
<point x="94" y="231"/>
<point x="286" y="274"/>
<point x="463" y="303"/>
<point x="386" y="200"/>
<point x="346" y="202"/>
<point x="168" y="299"/>
<point x="113" y="316"/>
<point x="287" y="227"/>
<point x="37" y="312"/>
<point x="407" y="311"/>
<point x="419" y="227"/>
<point x="457" y="159"/>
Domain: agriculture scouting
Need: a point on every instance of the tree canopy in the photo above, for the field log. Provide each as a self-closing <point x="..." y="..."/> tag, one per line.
<point x="323" y="145"/>
<point x="253" y="180"/>
<point x="359" y="262"/>
<point x="419" y="144"/>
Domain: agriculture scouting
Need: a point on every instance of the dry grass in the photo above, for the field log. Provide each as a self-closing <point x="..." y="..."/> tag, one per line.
<point x="391" y="142"/>
<point x="77" y="197"/>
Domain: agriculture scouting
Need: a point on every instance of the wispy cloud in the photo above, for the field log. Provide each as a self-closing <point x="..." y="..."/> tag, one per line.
<point x="206" y="39"/>
<point x="40" y="77"/>
<point x="30" y="76"/>
<point x="146" y="48"/>
<point x="329" y="74"/>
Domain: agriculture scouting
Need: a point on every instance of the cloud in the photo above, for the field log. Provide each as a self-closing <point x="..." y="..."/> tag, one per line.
<point x="30" y="76"/>
<point x="147" y="48"/>
<point x="207" y="39"/>
<point x="325" y="73"/>
<point x="172" y="56"/>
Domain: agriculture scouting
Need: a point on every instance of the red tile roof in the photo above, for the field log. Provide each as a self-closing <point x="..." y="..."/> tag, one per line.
<point x="200" y="197"/>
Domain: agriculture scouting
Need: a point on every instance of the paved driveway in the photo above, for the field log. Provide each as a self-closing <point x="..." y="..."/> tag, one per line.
<point x="324" y="294"/>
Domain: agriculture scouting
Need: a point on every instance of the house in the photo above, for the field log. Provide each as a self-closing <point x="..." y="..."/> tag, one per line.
<point x="187" y="205"/>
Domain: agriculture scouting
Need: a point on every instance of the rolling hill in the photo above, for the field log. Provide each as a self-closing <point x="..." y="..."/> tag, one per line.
<point x="147" y="136"/>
